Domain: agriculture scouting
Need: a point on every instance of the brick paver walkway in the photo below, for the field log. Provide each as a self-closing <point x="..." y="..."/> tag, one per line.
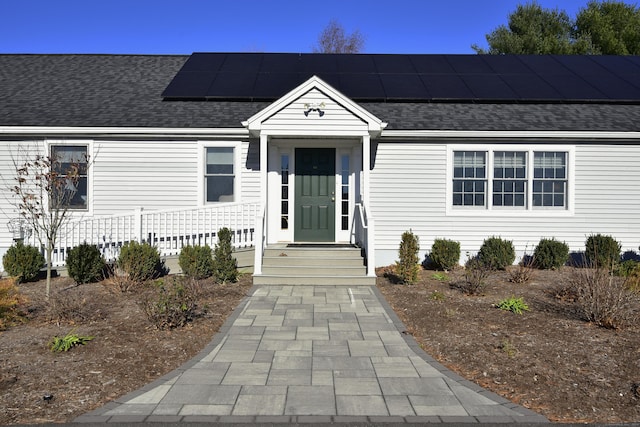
<point x="312" y="354"/>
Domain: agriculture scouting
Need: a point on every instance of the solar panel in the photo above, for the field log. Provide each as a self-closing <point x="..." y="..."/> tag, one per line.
<point x="404" y="86"/>
<point x="488" y="87"/>
<point x="507" y="78"/>
<point x="393" y="64"/>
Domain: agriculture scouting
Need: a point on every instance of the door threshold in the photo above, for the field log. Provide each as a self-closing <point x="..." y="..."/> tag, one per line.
<point x="327" y="245"/>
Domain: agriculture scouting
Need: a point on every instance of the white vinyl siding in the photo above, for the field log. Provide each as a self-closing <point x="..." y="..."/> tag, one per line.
<point x="411" y="189"/>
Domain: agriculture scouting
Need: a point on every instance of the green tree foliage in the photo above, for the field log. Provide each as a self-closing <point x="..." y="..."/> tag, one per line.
<point x="225" y="266"/>
<point x="607" y="27"/>
<point x="612" y="27"/>
<point x="408" y="267"/>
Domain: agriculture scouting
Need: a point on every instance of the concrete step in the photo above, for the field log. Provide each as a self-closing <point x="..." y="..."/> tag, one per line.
<point x="314" y="280"/>
<point x="314" y="270"/>
<point x="315" y="264"/>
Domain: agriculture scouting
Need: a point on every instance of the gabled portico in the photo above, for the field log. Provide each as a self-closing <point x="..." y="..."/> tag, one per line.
<point x="315" y="155"/>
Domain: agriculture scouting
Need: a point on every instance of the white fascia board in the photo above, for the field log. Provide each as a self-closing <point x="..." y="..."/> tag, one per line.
<point x="123" y="131"/>
<point x="508" y="135"/>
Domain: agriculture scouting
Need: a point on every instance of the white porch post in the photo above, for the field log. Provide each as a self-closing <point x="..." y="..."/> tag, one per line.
<point x="261" y="228"/>
<point x="366" y="166"/>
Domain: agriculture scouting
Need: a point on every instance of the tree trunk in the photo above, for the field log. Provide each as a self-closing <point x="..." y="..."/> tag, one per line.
<point x="49" y="256"/>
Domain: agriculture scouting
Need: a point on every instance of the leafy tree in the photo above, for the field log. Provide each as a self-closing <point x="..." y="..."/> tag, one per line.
<point x="612" y="27"/>
<point x="44" y="188"/>
<point x="609" y="27"/>
<point x="333" y="39"/>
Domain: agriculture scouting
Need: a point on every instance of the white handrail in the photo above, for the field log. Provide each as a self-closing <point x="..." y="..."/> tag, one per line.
<point x="364" y="234"/>
<point x="168" y="230"/>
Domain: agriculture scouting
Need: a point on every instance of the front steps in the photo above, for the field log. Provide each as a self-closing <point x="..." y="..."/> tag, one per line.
<point x="313" y="265"/>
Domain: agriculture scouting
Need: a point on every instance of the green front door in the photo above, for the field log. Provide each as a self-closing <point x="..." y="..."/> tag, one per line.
<point x="315" y="195"/>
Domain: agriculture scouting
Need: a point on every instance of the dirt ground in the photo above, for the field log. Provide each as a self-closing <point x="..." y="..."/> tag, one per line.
<point x="546" y="359"/>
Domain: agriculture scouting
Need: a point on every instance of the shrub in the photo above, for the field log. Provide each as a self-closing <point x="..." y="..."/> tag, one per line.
<point x="514" y="305"/>
<point x="602" y="251"/>
<point x="523" y="272"/>
<point x="445" y="254"/>
<point x="551" y="254"/>
<point x="496" y="253"/>
<point x="408" y="267"/>
<point x="10" y="301"/>
<point x="23" y="262"/>
<point x="475" y="274"/>
<point x="139" y="261"/>
<point x="170" y="303"/>
<point x="630" y="271"/>
<point x="85" y="263"/>
<point x="196" y="261"/>
<point x="225" y="266"/>
<point x="603" y="298"/>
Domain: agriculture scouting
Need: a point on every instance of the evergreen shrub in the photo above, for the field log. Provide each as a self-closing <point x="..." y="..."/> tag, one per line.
<point x="23" y="262"/>
<point x="85" y="264"/>
<point x="196" y="261"/>
<point x="225" y="266"/>
<point x="497" y="253"/>
<point x="550" y="254"/>
<point x="602" y="251"/>
<point x="139" y="261"/>
<point x="408" y="267"/>
<point x="445" y="254"/>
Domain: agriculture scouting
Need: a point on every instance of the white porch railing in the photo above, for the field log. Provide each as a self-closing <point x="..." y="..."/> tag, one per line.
<point x="168" y="230"/>
<point x="363" y="235"/>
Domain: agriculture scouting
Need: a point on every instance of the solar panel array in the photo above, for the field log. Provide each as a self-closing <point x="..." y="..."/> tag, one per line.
<point x="406" y="77"/>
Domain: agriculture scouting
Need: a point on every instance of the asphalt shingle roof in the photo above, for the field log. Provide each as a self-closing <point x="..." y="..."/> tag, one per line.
<point x="125" y="91"/>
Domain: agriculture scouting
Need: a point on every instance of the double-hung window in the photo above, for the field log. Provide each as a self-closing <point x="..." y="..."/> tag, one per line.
<point x="510" y="179"/>
<point x="220" y="174"/>
<point x="70" y="162"/>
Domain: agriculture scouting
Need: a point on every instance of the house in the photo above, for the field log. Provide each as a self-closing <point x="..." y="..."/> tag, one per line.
<point x="300" y="148"/>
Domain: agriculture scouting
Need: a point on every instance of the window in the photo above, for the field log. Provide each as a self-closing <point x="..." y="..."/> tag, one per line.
<point x="71" y="163"/>
<point x="284" y="184"/>
<point x="549" y="179"/>
<point x="344" y="209"/>
<point x="219" y="174"/>
<point x="507" y="179"/>
<point x="469" y="178"/>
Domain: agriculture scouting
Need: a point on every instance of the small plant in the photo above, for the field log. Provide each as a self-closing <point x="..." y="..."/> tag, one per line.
<point x="523" y="272"/>
<point x="225" y="266"/>
<point x="196" y="261"/>
<point x="475" y="274"/>
<point x="551" y="254"/>
<point x="408" y="267"/>
<point x="170" y="303"/>
<point x="445" y="254"/>
<point x="85" y="263"/>
<point x="437" y="296"/>
<point x="602" y="251"/>
<point x="496" y="253"/>
<point x="23" y="262"/>
<point x="139" y="261"/>
<point x="10" y="301"/>
<point x="441" y="277"/>
<point x="513" y="304"/>
<point x="508" y="348"/>
<point x="66" y="343"/>
<point x="603" y="298"/>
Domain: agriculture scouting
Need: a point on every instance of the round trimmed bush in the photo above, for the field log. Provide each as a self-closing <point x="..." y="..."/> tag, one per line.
<point x="23" y="262"/>
<point x="85" y="263"/>
<point x="445" y="254"/>
<point x="140" y="261"/>
<point x="550" y="254"/>
<point x="497" y="253"/>
<point x="196" y="261"/>
<point x="602" y="251"/>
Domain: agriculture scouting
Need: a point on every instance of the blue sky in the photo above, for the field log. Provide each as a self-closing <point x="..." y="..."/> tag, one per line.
<point x="185" y="26"/>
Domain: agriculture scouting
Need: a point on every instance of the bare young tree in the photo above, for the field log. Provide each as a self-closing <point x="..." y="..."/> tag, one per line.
<point x="333" y="39"/>
<point x="45" y="187"/>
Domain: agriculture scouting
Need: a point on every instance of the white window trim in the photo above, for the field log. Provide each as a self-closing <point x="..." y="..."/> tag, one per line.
<point x="202" y="164"/>
<point x="505" y="211"/>
<point x="48" y="143"/>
